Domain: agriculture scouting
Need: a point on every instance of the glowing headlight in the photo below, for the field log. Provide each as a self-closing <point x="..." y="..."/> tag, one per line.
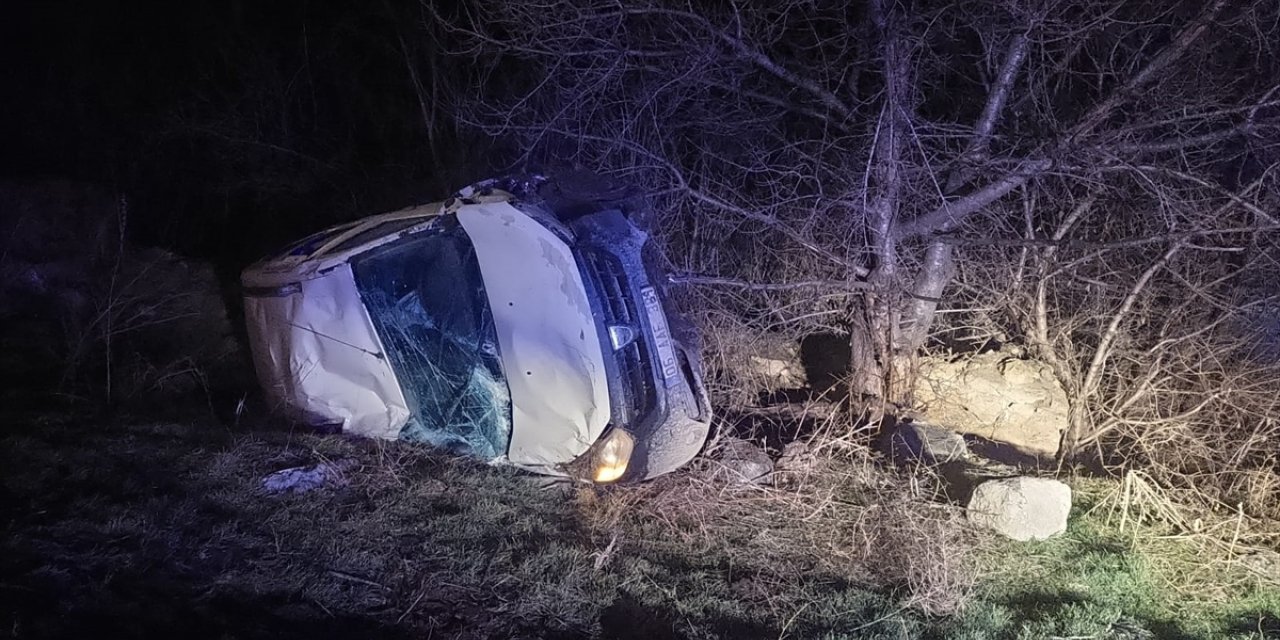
<point x="612" y="456"/>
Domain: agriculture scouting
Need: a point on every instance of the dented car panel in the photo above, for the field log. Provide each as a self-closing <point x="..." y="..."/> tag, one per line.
<point x="318" y="356"/>
<point x="546" y="334"/>
<point x="502" y="324"/>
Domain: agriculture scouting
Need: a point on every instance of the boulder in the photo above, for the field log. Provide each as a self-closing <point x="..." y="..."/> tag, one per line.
<point x="743" y="462"/>
<point x="1021" y="508"/>
<point x="997" y="396"/>
<point x="915" y="440"/>
<point x="770" y="363"/>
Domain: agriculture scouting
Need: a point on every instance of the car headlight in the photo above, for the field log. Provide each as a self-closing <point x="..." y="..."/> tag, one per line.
<point x="612" y="456"/>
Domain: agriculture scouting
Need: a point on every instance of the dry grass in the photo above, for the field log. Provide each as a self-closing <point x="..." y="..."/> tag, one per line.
<point x="846" y="517"/>
<point x="143" y="525"/>
<point x="1203" y="555"/>
<point x="134" y="526"/>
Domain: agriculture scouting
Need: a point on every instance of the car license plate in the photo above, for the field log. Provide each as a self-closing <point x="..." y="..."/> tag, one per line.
<point x="661" y="333"/>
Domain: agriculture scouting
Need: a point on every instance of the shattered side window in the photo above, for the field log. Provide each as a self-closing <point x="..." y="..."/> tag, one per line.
<point x="426" y="297"/>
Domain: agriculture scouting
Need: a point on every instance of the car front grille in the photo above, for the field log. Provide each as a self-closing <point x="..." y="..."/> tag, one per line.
<point x="620" y="308"/>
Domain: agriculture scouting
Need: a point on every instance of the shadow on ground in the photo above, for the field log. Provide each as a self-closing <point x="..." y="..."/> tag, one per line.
<point x="135" y="528"/>
<point x="156" y="604"/>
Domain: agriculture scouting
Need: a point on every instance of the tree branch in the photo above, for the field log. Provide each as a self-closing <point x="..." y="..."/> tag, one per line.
<point x="1116" y="244"/>
<point x="950" y="214"/>
<point x="1166" y="57"/>
<point x="998" y="96"/>
<point x="756" y="57"/>
<point x="1103" y="351"/>
<point x="716" y="281"/>
<point x="1179" y="144"/>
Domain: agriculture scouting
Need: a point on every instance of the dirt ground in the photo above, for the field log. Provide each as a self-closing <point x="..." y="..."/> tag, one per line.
<point x="157" y="524"/>
<point x="141" y="527"/>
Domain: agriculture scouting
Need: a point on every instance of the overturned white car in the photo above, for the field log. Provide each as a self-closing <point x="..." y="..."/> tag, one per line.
<point x="520" y="321"/>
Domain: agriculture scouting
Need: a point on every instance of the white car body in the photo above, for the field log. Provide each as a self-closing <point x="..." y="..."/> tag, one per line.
<point x="319" y="355"/>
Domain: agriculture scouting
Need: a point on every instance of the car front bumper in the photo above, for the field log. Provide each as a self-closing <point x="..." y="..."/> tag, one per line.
<point x="655" y="383"/>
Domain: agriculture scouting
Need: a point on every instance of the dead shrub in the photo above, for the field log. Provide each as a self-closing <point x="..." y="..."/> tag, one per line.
<point x="107" y="319"/>
<point x="734" y="355"/>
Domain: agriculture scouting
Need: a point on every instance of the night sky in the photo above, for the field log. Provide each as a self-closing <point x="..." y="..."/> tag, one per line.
<point x="231" y="125"/>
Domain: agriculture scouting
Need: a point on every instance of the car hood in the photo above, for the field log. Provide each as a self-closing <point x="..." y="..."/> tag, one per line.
<point x="549" y="343"/>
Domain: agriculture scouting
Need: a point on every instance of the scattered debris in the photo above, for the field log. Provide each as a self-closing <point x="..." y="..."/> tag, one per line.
<point x="1021" y="508"/>
<point x="603" y="557"/>
<point x="299" y="480"/>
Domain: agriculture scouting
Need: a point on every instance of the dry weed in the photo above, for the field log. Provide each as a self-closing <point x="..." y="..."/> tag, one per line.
<point x="1203" y="554"/>
<point x="844" y="518"/>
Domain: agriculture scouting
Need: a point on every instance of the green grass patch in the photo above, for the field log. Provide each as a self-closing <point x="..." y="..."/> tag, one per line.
<point x="1097" y="581"/>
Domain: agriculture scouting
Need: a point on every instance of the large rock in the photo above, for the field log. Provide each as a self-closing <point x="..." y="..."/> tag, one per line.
<point x="1021" y="508"/>
<point x="996" y="396"/>
<point x="774" y="364"/>
<point x="778" y="372"/>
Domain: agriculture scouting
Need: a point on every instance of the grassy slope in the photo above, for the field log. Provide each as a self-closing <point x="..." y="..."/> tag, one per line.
<point x="142" y="528"/>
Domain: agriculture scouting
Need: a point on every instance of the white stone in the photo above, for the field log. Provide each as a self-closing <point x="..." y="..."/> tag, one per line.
<point x="923" y="441"/>
<point x="781" y="369"/>
<point x="1021" y="508"/>
<point x="997" y="396"/>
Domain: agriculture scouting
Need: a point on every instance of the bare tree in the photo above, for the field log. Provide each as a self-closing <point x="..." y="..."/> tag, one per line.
<point x="1087" y="168"/>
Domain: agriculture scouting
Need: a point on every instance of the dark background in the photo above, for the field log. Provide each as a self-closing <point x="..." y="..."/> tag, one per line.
<point x="230" y="126"/>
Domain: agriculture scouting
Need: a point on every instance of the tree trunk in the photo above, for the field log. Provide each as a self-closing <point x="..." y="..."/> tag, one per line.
<point x="1077" y="428"/>
<point x="877" y="372"/>
<point x="874" y="333"/>
<point x="900" y="359"/>
<point x="865" y="373"/>
<point x="917" y="318"/>
<point x="926" y="293"/>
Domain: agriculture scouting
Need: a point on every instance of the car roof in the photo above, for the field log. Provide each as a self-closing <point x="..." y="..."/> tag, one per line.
<point x="316" y="254"/>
